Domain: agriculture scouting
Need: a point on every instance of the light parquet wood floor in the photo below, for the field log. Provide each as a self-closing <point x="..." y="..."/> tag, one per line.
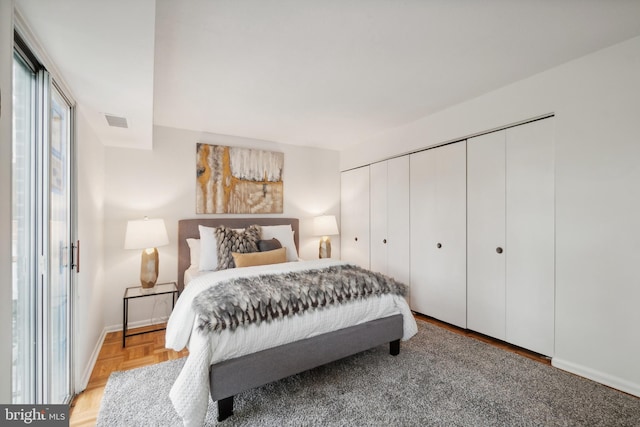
<point x="141" y="350"/>
<point x="148" y="349"/>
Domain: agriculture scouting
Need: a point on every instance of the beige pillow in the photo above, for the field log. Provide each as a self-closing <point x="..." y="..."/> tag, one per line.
<point x="275" y="256"/>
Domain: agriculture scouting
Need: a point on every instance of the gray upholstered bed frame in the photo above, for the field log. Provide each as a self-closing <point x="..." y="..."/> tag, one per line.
<point x="228" y="378"/>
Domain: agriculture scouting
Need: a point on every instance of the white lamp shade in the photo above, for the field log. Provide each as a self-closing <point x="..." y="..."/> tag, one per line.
<point x="145" y="233"/>
<point x="325" y="225"/>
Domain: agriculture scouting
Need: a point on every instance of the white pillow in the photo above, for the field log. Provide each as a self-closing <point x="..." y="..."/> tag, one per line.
<point x="194" y="252"/>
<point x="284" y="233"/>
<point x="208" y="249"/>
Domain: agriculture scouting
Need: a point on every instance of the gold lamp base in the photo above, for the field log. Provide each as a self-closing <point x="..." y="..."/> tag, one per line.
<point x="149" y="268"/>
<point x="324" y="251"/>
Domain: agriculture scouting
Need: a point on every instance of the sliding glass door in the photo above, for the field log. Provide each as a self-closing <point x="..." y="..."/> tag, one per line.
<point x="42" y="236"/>
<point x="24" y="251"/>
<point x="60" y="250"/>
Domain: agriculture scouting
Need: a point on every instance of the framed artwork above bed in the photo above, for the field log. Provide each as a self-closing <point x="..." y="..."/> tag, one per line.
<point x="233" y="180"/>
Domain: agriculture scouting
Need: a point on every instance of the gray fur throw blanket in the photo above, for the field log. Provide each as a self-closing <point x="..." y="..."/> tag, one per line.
<point x="245" y="300"/>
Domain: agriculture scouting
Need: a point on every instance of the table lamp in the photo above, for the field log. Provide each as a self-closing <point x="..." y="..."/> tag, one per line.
<point x="325" y="226"/>
<point x="147" y="234"/>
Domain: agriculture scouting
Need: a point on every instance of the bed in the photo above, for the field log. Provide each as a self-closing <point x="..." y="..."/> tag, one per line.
<point x="227" y="363"/>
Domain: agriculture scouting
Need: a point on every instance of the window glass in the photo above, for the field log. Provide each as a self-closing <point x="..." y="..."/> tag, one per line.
<point x="23" y="244"/>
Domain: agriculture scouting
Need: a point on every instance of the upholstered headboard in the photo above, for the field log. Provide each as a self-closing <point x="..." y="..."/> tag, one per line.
<point x="188" y="228"/>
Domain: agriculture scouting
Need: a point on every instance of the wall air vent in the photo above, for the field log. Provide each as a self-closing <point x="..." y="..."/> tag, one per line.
<point x="115" y="121"/>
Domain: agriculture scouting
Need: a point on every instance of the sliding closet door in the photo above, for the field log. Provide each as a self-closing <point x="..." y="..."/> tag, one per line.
<point x="511" y="252"/>
<point x="486" y="234"/>
<point x="379" y="196"/>
<point x="398" y="229"/>
<point x="530" y="208"/>
<point x="438" y="236"/>
<point x="354" y="216"/>
<point x="389" y="193"/>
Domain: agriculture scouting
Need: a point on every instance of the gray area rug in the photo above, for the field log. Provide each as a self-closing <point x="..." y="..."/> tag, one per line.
<point x="439" y="378"/>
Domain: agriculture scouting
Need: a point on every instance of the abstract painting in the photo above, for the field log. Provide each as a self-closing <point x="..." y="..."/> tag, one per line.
<point x="233" y="180"/>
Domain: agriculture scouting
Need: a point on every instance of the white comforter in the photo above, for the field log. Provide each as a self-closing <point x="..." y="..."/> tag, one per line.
<point x="190" y="392"/>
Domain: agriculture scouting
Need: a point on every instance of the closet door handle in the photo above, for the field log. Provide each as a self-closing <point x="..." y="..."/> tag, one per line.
<point x="438" y="245"/>
<point x="384" y="241"/>
<point x="356" y="239"/>
<point x="499" y="249"/>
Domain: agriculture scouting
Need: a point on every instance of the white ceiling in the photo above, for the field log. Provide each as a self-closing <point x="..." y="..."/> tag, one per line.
<point x="104" y="52"/>
<point x="319" y="73"/>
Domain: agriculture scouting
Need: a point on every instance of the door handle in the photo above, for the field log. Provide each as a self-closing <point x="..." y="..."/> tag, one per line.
<point x="499" y="250"/>
<point x="438" y="245"/>
<point x="75" y="256"/>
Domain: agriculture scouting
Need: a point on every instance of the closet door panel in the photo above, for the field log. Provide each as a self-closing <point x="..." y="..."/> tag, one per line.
<point x="450" y="275"/>
<point x="398" y="229"/>
<point x="530" y="236"/>
<point x="354" y="215"/>
<point x="378" y="186"/>
<point x="485" y="234"/>
<point x="423" y="229"/>
<point x="438" y="236"/>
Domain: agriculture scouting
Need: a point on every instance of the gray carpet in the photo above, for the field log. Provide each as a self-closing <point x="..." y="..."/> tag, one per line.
<point x="439" y="378"/>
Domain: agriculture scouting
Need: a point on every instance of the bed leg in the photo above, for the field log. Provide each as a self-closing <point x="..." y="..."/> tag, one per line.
<point x="394" y="347"/>
<point x="225" y="408"/>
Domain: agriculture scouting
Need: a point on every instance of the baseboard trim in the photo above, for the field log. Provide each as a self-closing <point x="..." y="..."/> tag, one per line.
<point x="597" y="376"/>
<point x="88" y="370"/>
<point x="138" y="324"/>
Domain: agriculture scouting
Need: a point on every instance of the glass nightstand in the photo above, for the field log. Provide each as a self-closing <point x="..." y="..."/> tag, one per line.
<point x="140" y="292"/>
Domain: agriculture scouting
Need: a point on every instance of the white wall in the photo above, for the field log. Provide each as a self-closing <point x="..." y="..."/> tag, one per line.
<point x="6" y="74"/>
<point x="89" y="282"/>
<point x="597" y="154"/>
<point x="161" y="184"/>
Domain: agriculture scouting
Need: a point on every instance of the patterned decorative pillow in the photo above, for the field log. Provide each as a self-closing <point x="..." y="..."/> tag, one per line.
<point x="229" y="240"/>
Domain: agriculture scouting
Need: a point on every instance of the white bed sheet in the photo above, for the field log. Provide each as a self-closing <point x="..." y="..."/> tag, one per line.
<point x="193" y="273"/>
<point x="190" y="392"/>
